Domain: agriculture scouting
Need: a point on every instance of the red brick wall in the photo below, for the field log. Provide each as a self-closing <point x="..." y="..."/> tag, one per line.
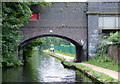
<point x="114" y="52"/>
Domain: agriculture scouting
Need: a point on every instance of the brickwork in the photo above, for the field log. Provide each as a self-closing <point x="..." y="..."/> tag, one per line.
<point x="75" y="22"/>
<point x="114" y="52"/>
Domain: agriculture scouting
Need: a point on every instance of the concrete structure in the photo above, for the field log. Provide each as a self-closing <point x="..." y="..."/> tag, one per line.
<point x="96" y="10"/>
<point x="75" y="22"/>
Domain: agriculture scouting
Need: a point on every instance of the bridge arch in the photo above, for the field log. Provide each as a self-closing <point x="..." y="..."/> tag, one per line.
<point x="79" y="49"/>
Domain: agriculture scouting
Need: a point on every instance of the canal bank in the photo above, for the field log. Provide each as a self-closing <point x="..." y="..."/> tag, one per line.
<point x="91" y="72"/>
<point x="43" y="68"/>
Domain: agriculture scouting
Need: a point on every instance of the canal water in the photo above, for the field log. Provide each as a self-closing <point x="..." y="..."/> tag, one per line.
<point x="43" y="68"/>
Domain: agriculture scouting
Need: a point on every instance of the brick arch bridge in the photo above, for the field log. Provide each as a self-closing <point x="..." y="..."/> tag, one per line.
<point x="59" y="20"/>
<point x="78" y="46"/>
<point x="76" y="22"/>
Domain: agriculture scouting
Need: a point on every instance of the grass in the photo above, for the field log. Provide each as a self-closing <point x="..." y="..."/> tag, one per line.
<point x="67" y="54"/>
<point x="54" y="55"/>
<point x="98" y="75"/>
<point x="107" y="65"/>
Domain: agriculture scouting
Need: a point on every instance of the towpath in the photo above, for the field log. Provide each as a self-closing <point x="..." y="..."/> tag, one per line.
<point x="113" y="74"/>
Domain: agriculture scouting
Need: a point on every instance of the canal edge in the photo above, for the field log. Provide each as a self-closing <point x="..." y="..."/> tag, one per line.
<point x="72" y="67"/>
<point x="84" y="72"/>
<point x="87" y="73"/>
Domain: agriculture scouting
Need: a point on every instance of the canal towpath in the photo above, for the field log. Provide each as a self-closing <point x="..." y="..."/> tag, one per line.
<point x="113" y="74"/>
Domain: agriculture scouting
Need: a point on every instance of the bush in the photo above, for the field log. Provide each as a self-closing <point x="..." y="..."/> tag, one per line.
<point x="102" y="49"/>
<point x="102" y="58"/>
<point x="14" y="15"/>
<point x="114" y="38"/>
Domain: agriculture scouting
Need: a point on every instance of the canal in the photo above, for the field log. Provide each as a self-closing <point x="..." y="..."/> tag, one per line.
<point x="43" y="68"/>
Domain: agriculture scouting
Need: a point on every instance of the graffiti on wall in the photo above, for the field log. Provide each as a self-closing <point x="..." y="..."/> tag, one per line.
<point x="93" y="42"/>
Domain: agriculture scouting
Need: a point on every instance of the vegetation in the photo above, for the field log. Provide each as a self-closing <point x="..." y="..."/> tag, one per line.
<point x="98" y="75"/>
<point x="54" y="55"/>
<point x="67" y="54"/>
<point x="90" y="72"/>
<point x="114" y="38"/>
<point x="14" y="15"/>
<point x="108" y="65"/>
<point x="28" y="48"/>
<point x="53" y="41"/>
<point x="67" y="4"/>
<point x="101" y="58"/>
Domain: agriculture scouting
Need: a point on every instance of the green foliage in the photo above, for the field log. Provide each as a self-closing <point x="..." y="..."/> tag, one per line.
<point x="104" y="36"/>
<point x="101" y="55"/>
<point x="67" y="54"/>
<point x="67" y="4"/>
<point x="102" y="48"/>
<point x="11" y="61"/>
<point x="62" y="58"/>
<point x="14" y="14"/>
<point x="62" y="25"/>
<point x="97" y="75"/>
<point x="61" y="10"/>
<point x="54" y="55"/>
<point x="101" y="58"/>
<point x="28" y="48"/>
<point x="108" y="65"/>
<point x="114" y="38"/>
<point x="53" y="41"/>
<point x="41" y="4"/>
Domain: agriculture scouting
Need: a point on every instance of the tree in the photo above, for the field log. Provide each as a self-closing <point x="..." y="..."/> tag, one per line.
<point x="14" y="15"/>
<point x="54" y="41"/>
<point x="28" y="48"/>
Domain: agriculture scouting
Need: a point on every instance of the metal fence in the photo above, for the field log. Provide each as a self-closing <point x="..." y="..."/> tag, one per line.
<point x="65" y="49"/>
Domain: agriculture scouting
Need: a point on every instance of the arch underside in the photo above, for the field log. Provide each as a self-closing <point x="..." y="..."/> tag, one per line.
<point x="79" y="50"/>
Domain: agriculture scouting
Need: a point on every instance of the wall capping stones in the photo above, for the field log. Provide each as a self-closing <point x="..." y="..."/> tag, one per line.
<point x="102" y="13"/>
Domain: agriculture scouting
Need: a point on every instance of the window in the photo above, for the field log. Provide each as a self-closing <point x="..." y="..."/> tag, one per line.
<point x="109" y="22"/>
<point x="34" y="16"/>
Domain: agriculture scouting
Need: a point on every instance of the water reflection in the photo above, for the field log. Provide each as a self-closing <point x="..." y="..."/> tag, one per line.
<point x="43" y="68"/>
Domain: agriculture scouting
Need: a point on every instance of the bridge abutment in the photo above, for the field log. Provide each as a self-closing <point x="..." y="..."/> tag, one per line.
<point x="79" y="54"/>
